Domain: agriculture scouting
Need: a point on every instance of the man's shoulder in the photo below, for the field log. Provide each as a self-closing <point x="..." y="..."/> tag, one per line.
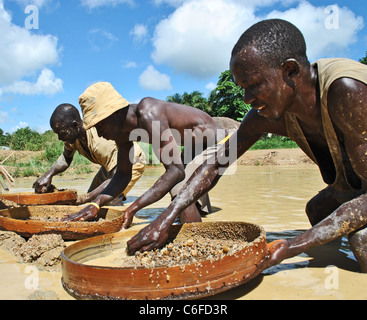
<point x="149" y="102"/>
<point x="150" y="107"/>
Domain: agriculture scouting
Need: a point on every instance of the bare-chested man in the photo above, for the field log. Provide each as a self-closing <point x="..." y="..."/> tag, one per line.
<point x="321" y="106"/>
<point x="164" y="125"/>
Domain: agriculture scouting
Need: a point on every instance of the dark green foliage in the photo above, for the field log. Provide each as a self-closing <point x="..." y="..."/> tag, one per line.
<point x="364" y="60"/>
<point x="26" y="139"/>
<point x="194" y="99"/>
<point x="226" y="99"/>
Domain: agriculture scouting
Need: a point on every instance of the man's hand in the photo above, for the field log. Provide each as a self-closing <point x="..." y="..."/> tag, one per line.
<point x="277" y="251"/>
<point x="43" y="185"/>
<point x="86" y="214"/>
<point x="82" y="198"/>
<point x="151" y="237"/>
<point x="128" y="218"/>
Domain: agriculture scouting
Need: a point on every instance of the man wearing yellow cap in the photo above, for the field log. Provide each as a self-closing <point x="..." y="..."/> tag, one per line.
<point x="67" y="124"/>
<point x="164" y="125"/>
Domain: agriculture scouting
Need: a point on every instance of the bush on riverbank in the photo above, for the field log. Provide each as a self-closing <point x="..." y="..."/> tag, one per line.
<point x="33" y="157"/>
<point x="32" y="154"/>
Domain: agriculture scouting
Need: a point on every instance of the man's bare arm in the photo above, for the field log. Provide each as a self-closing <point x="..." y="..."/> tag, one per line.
<point x="204" y="179"/>
<point x="117" y="185"/>
<point x="61" y="164"/>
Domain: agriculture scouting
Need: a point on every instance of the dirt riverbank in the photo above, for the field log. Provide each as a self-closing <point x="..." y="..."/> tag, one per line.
<point x="274" y="157"/>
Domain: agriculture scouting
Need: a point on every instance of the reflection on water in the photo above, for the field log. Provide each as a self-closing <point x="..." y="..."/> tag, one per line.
<point x="149" y="214"/>
<point x="273" y="197"/>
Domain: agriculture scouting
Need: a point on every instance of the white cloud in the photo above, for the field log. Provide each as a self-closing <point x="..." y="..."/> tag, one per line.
<point x="130" y="65"/>
<point x="139" y="32"/>
<point x="197" y="38"/>
<point x="46" y="83"/>
<point x="173" y="3"/>
<point x="321" y="38"/>
<point x="100" y="39"/>
<point x="42" y="129"/>
<point x="20" y="125"/>
<point x="3" y="116"/>
<point x="91" y="4"/>
<point x="152" y="79"/>
<point x="211" y="86"/>
<point x="38" y="3"/>
<point x="22" y="53"/>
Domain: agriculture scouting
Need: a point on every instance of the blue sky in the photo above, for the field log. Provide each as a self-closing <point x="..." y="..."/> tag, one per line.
<point x="144" y="48"/>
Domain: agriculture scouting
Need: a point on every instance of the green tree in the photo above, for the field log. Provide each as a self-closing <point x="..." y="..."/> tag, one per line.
<point x="52" y="145"/>
<point x="4" y="138"/>
<point x="176" y="98"/>
<point x="26" y="139"/>
<point x="226" y="99"/>
<point x="364" y="60"/>
<point x="194" y="99"/>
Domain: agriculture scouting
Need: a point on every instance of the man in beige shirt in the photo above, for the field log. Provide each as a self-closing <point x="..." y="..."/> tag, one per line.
<point x="68" y="125"/>
<point x="322" y="107"/>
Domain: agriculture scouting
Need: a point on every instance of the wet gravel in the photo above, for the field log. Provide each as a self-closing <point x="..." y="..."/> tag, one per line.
<point x="186" y="252"/>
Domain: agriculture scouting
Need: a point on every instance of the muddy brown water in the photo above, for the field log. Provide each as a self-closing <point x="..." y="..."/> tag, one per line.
<point x="271" y="196"/>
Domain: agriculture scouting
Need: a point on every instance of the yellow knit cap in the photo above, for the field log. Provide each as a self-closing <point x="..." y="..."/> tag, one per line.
<point x="98" y="102"/>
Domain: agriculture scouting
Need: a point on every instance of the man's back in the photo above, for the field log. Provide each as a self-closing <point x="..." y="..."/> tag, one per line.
<point x="190" y="124"/>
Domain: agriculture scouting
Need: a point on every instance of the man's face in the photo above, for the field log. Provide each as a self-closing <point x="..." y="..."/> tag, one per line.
<point x="66" y="132"/>
<point x="265" y="89"/>
<point x="105" y="129"/>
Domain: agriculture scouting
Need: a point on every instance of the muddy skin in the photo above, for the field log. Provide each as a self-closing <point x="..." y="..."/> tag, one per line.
<point x="357" y="241"/>
<point x="292" y="89"/>
<point x="345" y="220"/>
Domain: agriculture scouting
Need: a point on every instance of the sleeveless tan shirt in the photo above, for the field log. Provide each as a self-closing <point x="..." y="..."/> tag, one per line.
<point x="329" y="70"/>
<point x="102" y="151"/>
